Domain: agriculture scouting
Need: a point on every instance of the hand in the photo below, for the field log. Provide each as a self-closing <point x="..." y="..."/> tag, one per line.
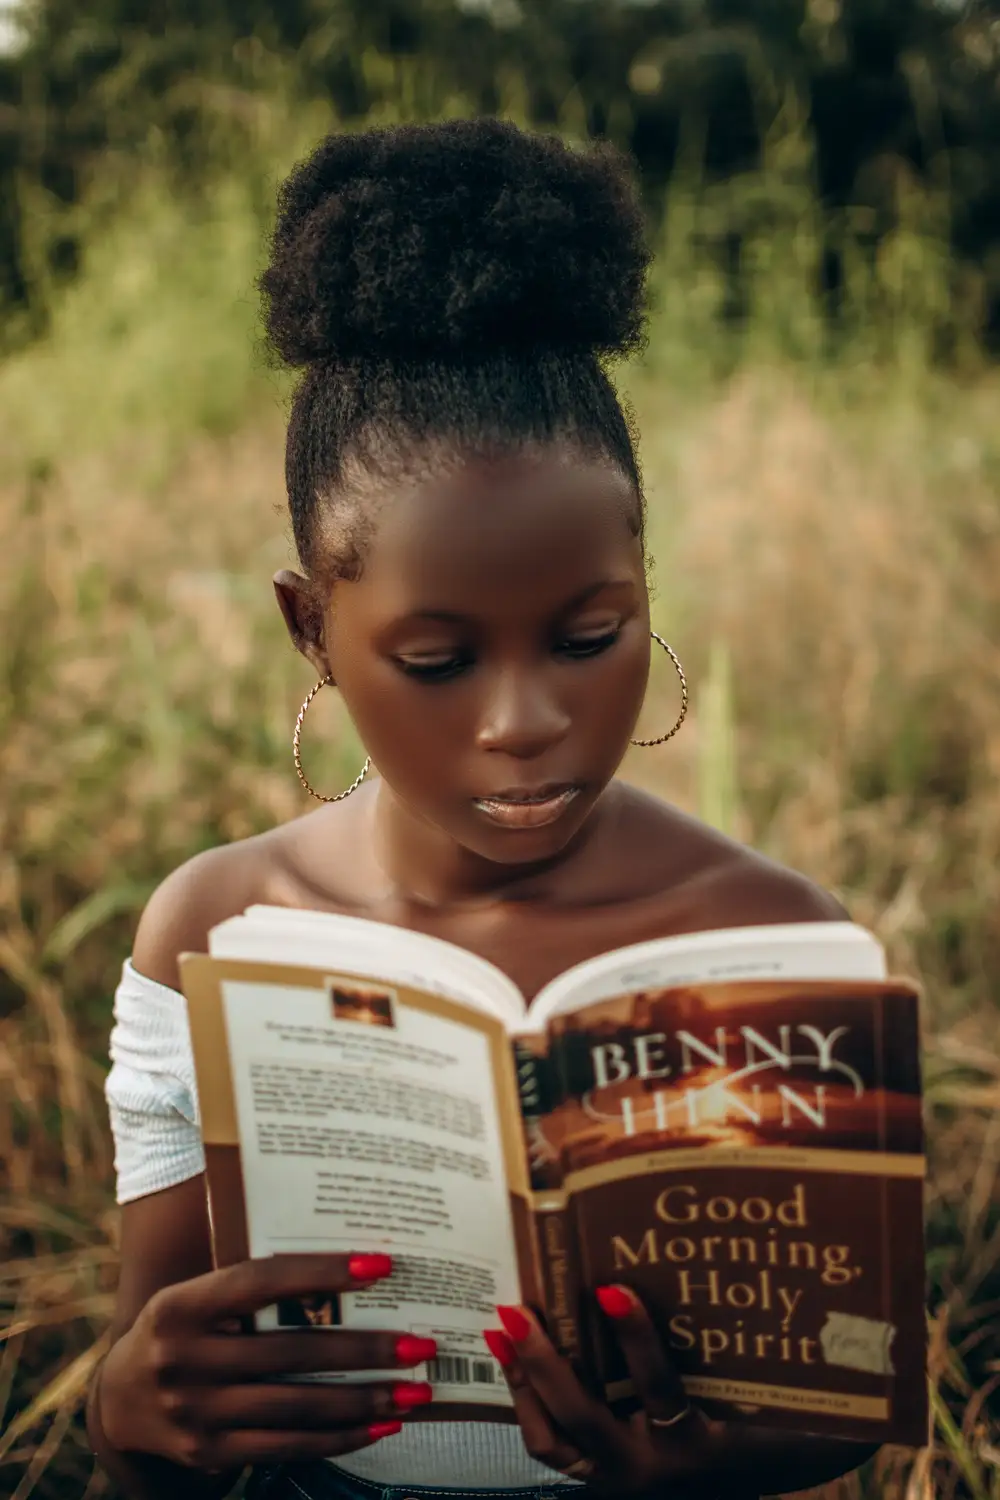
<point x="186" y="1385"/>
<point x="667" y="1443"/>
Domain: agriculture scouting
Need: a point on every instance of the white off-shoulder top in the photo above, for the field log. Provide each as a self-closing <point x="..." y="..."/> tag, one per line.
<point x="153" y="1105"/>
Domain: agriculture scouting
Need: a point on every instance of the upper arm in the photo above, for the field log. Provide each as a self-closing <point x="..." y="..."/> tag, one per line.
<point x="165" y="1234"/>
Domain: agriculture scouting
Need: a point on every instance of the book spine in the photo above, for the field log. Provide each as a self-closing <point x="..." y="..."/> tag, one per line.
<point x="537" y="1097"/>
<point x="555" y="1237"/>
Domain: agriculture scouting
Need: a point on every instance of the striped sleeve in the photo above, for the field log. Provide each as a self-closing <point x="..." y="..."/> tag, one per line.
<point x="151" y="1092"/>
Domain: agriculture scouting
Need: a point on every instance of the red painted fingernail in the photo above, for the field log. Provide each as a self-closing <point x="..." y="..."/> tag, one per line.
<point x="500" y="1347"/>
<point x="384" y="1429"/>
<point x="417" y="1393"/>
<point x="615" y="1302"/>
<point x="369" y="1267"/>
<point x="516" y="1324"/>
<point x="413" y="1351"/>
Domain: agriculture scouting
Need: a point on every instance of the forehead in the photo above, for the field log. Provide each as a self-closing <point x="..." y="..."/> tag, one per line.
<point x="494" y="535"/>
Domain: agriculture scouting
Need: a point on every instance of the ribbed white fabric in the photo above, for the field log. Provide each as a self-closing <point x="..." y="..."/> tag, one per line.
<point x="153" y="1105"/>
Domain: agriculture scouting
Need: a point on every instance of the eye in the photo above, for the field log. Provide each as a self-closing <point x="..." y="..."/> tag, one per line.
<point x="434" y="668"/>
<point x="591" y="643"/>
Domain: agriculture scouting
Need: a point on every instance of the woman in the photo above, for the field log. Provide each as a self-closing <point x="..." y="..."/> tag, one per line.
<point x="468" y="512"/>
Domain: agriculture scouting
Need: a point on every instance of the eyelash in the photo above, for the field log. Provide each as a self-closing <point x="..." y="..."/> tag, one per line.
<point x="580" y="650"/>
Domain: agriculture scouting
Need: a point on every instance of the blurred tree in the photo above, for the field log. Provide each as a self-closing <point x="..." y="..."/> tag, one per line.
<point x="888" y="88"/>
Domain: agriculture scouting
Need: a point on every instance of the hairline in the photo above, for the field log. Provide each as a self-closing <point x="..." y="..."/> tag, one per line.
<point x="365" y="486"/>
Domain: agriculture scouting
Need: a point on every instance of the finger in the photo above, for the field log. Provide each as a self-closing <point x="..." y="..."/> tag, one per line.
<point x="540" y="1437"/>
<point x="237" y="1291"/>
<point x="657" y="1383"/>
<point x="238" y="1449"/>
<point x="309" y="1408"/>
<point x="587" y="1423"/>
<point x="308" y="1351"/>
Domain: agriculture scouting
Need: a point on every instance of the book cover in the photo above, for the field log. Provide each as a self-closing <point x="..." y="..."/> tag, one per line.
<point x="749" y="1158"/>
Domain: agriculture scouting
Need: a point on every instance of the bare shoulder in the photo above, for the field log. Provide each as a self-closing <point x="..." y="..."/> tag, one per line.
<point x="214" y="885"/>
<point x="753" y="889"/>
<point x="299" y="863"/>
<point x="719" y="881"/>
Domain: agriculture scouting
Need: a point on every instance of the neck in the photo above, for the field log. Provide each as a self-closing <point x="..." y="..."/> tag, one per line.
<point x="423" y="865"/>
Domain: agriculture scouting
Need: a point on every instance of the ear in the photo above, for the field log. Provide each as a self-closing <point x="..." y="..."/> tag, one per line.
<point x="297" y="602"/>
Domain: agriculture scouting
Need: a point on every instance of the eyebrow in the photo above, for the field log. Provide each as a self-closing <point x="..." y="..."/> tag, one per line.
<point x="453" y="617"/>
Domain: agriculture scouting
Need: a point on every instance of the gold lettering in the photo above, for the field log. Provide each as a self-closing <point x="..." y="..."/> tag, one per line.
<point x="721" y="1210"/>
<point x="626" y="1256"/>
<point x="835" y="1272"/>
<point x="680" y="1328"/>
<point x="681" y="1249"/>
<point x="663" y="1206"/>
<point x="713" y="1341"/>
<point x="689" y="1287"/>
<point x="739" y="1294"/>
<point x="792" y="1213"/>
<point x="789" y="1302"/>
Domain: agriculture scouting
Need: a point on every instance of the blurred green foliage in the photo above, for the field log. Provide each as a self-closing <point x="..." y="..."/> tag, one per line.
<point x="897" y="98"/>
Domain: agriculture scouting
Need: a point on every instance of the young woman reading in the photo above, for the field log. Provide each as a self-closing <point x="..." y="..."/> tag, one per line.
<point x="468" y="511"/>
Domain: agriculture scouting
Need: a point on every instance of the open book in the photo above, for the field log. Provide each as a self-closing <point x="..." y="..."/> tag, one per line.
<point x="729" y="1122"/>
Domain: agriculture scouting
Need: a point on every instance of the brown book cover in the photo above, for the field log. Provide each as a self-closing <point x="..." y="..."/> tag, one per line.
<point x="748" y="1156"/>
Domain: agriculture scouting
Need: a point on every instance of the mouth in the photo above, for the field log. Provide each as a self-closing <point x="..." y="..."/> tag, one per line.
<point x="522" y="808"/>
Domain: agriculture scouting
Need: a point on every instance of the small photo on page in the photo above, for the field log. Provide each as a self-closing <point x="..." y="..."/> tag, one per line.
<point x="368" y="1007"/>
<point x="309" y="1312"/>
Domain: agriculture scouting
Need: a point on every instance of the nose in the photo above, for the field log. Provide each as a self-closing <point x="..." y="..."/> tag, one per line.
<point x="523" y="717"/>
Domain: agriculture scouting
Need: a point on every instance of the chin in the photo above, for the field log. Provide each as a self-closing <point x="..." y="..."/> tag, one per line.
<point x="520" y="850"/>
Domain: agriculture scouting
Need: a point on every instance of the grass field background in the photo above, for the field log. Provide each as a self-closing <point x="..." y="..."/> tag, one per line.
<point x="825" y="517"/>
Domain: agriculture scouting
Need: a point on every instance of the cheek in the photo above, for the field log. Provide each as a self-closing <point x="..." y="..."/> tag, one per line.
<point x="628" y="671"/>
<point x="401" y="721"/>
<point x="618" y="695"/>
<point x="421" y="740"/>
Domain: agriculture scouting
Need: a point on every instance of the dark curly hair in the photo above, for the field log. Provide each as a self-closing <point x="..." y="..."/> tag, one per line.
<point x="449" y="286"/>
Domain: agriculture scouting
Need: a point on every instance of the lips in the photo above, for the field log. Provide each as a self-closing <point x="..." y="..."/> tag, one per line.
<point x="544" y="793"/>
<point x="526" y="807"/>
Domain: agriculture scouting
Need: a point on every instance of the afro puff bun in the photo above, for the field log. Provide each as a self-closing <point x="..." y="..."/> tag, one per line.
<point x="455" y="240"/>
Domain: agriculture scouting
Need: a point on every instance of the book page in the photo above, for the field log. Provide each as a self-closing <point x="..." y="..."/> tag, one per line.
<point x="793" y="950"/>
<point x="277" y="934"/>
<point x="369" y="1119"/>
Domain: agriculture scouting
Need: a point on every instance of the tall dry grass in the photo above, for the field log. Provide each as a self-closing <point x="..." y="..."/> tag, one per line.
<point x="827" y="534"/>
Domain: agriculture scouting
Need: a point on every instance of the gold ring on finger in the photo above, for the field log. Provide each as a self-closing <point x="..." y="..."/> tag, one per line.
<point x="581" y="1469"/>
<point x="674" y="1421"/>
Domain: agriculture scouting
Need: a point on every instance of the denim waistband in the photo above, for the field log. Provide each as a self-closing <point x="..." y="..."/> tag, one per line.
<point x="323" y="1481"/>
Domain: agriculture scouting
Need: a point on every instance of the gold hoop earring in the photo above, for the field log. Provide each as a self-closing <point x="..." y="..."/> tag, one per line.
<point x="296" y="743"/>
<point x="684" y="695"/>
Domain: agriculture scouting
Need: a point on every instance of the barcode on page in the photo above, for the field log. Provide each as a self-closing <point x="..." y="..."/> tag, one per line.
<point x="456" y="1369"/>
